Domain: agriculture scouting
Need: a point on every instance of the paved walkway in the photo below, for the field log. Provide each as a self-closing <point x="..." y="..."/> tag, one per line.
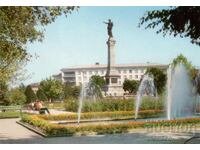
<point x="52" y="111"/>
<point x="10" y="130"/>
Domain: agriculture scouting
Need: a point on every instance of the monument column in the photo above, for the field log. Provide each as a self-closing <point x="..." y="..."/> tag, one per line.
<point x="111" y="71"/>
<point x="112" y="87"/>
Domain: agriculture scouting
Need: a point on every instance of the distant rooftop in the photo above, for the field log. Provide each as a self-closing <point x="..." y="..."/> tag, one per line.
<point x="99" y="66"/>
<point x="34" y="84"/>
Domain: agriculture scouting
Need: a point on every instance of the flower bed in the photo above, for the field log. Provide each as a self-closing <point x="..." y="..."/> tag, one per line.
<point x="110" y="128"/>
<point x="98" y="115"/>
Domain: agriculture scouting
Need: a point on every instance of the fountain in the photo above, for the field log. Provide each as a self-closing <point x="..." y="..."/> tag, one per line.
<point x="179" y="92"/>
<point x="89" y="91"/>
<point x="197" y="91"/>
<point x="146" y="87"/>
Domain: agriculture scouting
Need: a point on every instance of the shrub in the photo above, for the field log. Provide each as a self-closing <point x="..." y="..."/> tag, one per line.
<point x="150" y="103"/>
<point x="71" y="104"/>
<point x="113" y="104"/>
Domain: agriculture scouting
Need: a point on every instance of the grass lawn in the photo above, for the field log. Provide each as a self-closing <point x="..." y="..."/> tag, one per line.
<point x="9" y="114"/>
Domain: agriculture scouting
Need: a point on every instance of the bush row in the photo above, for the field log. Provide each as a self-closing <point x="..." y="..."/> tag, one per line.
<point x="112" y="115"/>
<point x="113" y="104"/>
<point x="62" y="130"/>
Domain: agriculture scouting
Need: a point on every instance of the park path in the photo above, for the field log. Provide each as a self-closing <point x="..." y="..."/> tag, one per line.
<point x="10" y="130"/>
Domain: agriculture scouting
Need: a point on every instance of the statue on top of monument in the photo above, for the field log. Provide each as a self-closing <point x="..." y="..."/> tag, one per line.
<point x="109" y="27"/>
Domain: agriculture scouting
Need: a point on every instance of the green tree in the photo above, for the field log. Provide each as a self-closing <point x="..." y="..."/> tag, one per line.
<point x="182" y="59"/>
<point x="71" y="91"/>
<point x="30" y="95"/>
<point x="193" y="72"/>
<point x="198" y="83"/>
<point x="17" y="96"/>
<point x="131" y="86"/>
<point x="183" y="21"/>
<point x="52" y="88"/>
<point x="160" y="78"/>
<point x="95" y="86"/>
<point x="19" y="26"/>
<point x="4" y="94"/>
<point x="40" y="95"/>
<point x="98" y="80"/>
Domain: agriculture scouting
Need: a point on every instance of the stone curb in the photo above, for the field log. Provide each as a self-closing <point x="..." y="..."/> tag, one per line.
<point x="29" y="127"/>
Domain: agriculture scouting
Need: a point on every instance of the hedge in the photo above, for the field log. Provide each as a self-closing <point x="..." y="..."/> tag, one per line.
<point x="112" y="115"/>
<point x="68" y="130"/>
<point x="114" y="104"/>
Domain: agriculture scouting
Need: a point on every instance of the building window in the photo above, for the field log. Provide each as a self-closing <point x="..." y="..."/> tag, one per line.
<point x="136" y="76"/>
<point x="136" y="71"/>
<point x="130" y="71"/>
<point x="119" y="71"/>
<point x="113" y="80"/>
<point x="102" y="72"/>
<point x="79" y="73"/>
<point x="125" y="77"/>
<point x="124" y="71"/>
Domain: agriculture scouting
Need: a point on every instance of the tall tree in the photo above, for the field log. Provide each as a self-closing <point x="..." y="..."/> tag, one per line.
<point x="30" y="95"/>
<point x="17" y="96"/>
<point x="182" y="59"/>
<point x="131" y="86"/>
<point x="4" y="94"/>
<point x="52" y="88"/>
<point x="160" y="78"/>
<point x="71" y="91"/>
<point x="20" y="25"/>
<point x="183" y="21"/>
<point x="40" y="95"/>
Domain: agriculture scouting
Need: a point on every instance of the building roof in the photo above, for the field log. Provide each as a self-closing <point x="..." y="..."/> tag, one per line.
<point x="57" y="75"/>
<point x="102" y="66"/>
<point x="35" y="85"/>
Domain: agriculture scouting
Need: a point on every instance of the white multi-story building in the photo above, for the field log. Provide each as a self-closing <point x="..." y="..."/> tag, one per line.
<point x="78" y="75"/>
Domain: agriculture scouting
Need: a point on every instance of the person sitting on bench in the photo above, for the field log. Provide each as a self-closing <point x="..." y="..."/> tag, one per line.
<point x="40" y="108"/>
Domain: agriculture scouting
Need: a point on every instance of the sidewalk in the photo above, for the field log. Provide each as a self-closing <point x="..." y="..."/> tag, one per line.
<point x="10" y="130"/>
<point x="52" y="111"/>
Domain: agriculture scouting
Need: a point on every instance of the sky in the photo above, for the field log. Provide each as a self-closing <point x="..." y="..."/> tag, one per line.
<point x="81" y="39"/>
